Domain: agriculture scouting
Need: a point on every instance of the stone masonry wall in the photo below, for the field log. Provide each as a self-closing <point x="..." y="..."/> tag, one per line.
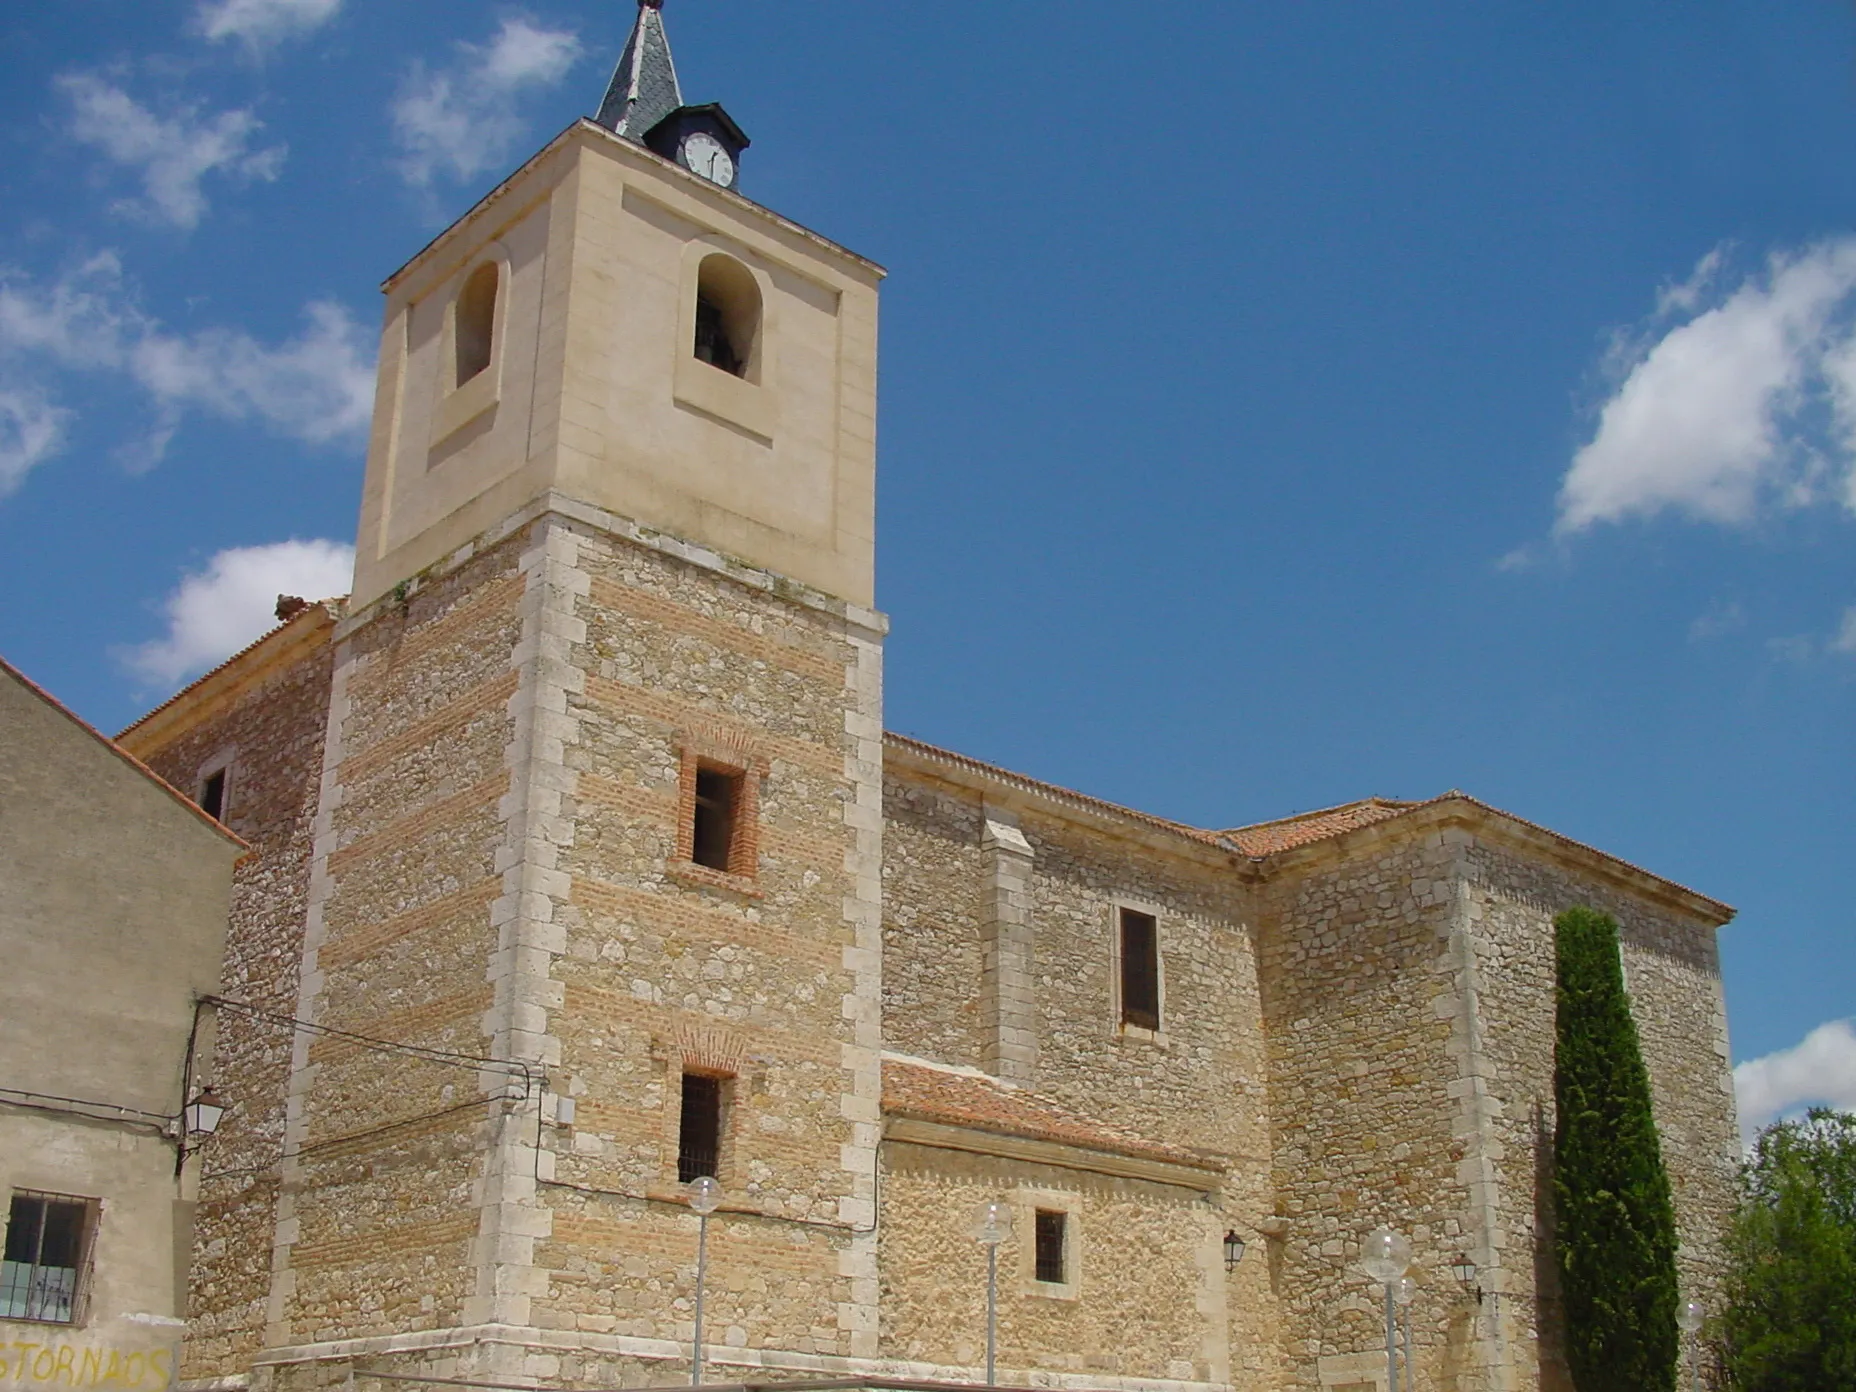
<point x="1201" y="1082"/>
<point x="765" y="978"/>
<point x="269" y="739"/>
<point x="1359" y="994"/>
<point x="1673" y="974"/>
<point x="377" y="1233"/>
<point x="934" y="876"/>
<point x="1409" y="987"/>
<point x="1147" y="1299"/>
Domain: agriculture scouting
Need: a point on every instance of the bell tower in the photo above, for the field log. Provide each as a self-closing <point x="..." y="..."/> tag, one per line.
<point x="617" y="325"/>
<point x="598" y="847"/>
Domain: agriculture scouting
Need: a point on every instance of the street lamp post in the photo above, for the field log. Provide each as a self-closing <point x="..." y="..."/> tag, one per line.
<point x="1385" y="1256"/>
<point x="992" y="1226"/>
<point x="705" y="1196"/>
<point x="1691" y="1317"/>
<point x="1404" y="1293"/>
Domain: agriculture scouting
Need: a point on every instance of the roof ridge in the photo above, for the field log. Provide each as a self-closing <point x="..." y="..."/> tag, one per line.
<point x="1397" y="804"/>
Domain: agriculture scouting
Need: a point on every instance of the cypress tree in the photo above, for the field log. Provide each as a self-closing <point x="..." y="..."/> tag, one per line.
<point x="1616" y="1230"/>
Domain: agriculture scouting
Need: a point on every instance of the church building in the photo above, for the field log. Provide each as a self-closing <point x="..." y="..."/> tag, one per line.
<point x="584" y="867"/>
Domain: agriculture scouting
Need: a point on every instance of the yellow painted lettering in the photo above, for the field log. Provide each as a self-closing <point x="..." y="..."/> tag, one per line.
<point x="93" y="1362"/>
<point x="132" y="1369"/>
<point x="46" y="1358"/>
<point x="67" y="1364"/>
<point x="158" y="1367"/>
<point x="24" y="1365"/>
<point x="113" y="1373"/>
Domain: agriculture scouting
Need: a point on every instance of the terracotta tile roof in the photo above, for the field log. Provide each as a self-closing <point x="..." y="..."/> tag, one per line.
<point x="30" y="685"/>
<point x="924" y="1092"/>
<point x="1286" y="833"/>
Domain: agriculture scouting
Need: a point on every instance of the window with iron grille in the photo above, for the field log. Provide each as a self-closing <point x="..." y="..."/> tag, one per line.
<point x="47" y="1240"/>
<point x="718" y="807"/>
<point x="1052" y="1227"/>
<point x="1140" y="970"/>
<point x="699" y="1133"/>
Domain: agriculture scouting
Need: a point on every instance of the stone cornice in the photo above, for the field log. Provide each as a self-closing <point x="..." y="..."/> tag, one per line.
<point x="1003" y="788"/>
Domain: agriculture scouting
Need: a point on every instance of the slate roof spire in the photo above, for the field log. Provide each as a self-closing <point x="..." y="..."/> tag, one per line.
<point x="644" y="87"/>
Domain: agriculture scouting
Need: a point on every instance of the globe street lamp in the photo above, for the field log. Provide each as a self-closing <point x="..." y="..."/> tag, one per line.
<point x="1691" y="1317"/>
<point x="991" y="1226"/>
<point x="1385" y="1256"/>
<point x="705" y="1196"/>
<point x="1404" y="1293"/>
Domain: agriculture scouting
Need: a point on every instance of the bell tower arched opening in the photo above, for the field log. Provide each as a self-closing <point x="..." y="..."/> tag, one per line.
<point x="475" y="329"/>
<point x="728" y="317"/>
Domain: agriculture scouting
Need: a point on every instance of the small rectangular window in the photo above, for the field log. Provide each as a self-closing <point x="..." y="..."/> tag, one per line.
<point x="213" y="795"/>
<point x="699" y="1134"/>
<point x="46" y="1238"/>
<point x="1140" y="970"/>
<point x="1052" y="1227"/>
<point x="718" y="804"/>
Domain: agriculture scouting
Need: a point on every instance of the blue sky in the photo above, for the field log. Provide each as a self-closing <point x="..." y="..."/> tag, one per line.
<point x="1281" y="404"/>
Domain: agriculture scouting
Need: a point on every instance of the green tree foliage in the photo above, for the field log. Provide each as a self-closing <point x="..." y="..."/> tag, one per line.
<point x="1616" y="1226"/>
<point x="1790" y="1321"/>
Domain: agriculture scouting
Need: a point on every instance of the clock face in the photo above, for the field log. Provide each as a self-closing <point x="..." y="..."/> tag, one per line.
<point x="703" y="154"/>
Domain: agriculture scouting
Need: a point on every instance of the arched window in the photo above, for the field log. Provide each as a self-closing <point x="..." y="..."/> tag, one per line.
<point x="476" y="322"/>
<point x="728" y="316"/>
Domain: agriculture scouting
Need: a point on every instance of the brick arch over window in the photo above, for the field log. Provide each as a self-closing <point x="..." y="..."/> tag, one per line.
<point x="728" y="317"/>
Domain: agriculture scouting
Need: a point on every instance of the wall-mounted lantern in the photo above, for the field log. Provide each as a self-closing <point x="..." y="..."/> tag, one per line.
<point x="1234" y="1247"/>
<point x="203" y="1115"/>
<point x="1465" y="1272"/>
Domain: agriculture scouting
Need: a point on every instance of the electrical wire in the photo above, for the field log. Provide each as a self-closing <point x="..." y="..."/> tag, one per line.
<point x="531" y="1073"/>
<point x="69" y="1106"/>
<point x="329" y="1142"/>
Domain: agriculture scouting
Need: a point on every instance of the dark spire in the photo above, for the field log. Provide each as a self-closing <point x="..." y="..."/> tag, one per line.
<point x="644" y="87"/>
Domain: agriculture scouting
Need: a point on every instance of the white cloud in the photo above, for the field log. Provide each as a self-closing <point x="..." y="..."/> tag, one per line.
<point x="231" y="604"/>
<point x="31" y="431"/>
<point x="1820" y="1071"/>
<point x="462" y="120"/>
<point x="1748" y="401"/>
<point x="173" y="154"/>
<point x="261" y="23"/>
<point x="1844" y="641"/>
<point x="317" y="387"/>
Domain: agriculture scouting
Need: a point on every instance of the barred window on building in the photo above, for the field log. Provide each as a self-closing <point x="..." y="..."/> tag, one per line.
<point x="699" y="1131"/>
<point x="47" y="1239"/>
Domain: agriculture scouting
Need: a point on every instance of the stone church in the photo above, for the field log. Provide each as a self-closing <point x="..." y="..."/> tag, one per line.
<point x="584" y="867"/>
